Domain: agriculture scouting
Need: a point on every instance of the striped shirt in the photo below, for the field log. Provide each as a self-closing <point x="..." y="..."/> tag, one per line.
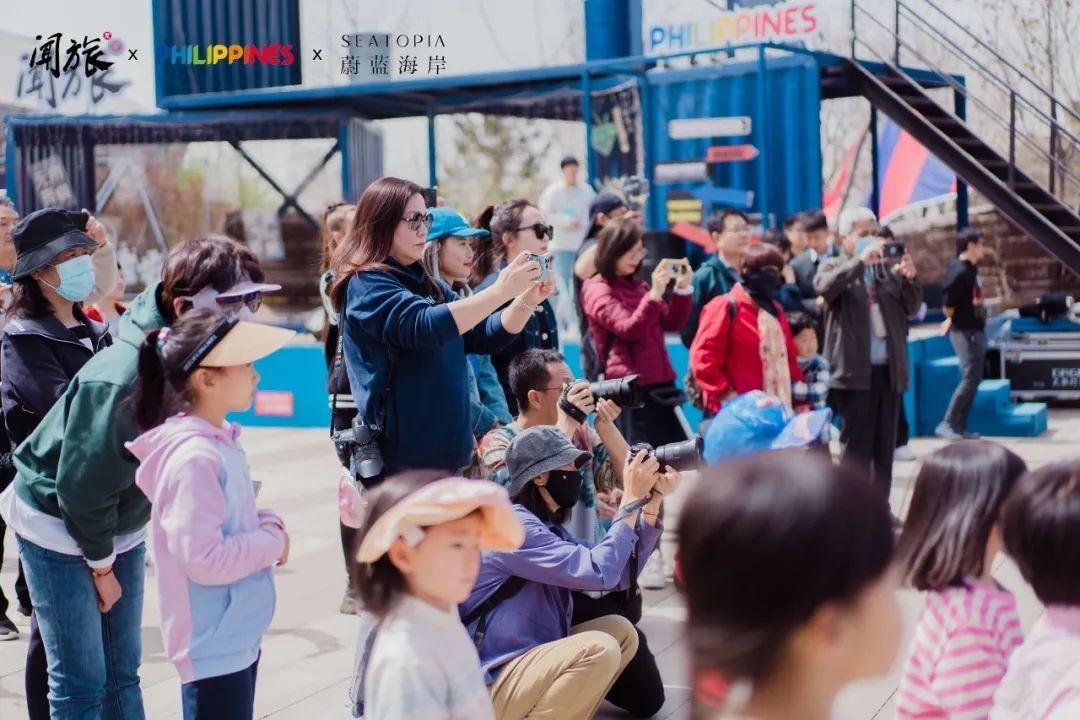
<point x="958" y="656"/>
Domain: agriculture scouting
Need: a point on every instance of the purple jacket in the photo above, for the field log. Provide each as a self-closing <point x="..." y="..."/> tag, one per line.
<point x="555" y="562"/>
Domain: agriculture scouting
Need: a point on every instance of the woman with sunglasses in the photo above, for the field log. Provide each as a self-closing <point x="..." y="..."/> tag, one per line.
<point x="515" y="227"/>
<point x="47" y="339"/>
<point x="406" y="334"/>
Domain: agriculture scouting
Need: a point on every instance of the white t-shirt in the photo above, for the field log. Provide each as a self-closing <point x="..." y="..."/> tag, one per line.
<point x="424" y="666"/>
<point x="562" y="204"/>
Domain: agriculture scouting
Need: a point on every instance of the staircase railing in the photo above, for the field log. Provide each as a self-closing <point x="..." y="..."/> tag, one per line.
<point x="1052" y="148"/>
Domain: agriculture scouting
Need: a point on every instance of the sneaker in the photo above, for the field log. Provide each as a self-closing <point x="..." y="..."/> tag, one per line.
<point x="652" y="576"/>
<point x="350" y="605"/>
<point x="970" y="435"/>
<point x="8" y="631"/>
<point x="944" y="431"/>
<point x="903" y="454"/>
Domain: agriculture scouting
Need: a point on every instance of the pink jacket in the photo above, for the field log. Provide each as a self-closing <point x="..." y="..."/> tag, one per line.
<point x="212" y="549"/>
<point x="628" y="327"/>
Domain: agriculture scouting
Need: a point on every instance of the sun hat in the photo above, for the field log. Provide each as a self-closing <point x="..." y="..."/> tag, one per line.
<point x="443" y="501"/>
<point x="233" y="342"/>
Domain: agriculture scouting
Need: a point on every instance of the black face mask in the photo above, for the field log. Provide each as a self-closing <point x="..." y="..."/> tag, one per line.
<point x="762" y="282"/>
<point x="564" y="486"/>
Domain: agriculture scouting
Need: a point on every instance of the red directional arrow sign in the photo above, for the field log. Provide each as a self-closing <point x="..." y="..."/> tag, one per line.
<point x="730" y="153"/>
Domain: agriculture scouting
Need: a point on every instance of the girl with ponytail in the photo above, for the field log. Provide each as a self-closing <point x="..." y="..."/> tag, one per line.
<point x="515" y="227"/>
<point x="212" y="548"/>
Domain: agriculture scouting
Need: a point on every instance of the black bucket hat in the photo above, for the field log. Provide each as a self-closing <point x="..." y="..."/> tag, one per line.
<point x="43" y="234"/>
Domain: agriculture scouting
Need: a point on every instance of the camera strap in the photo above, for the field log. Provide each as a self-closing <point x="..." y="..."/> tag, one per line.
<point x="571" y="409"/>
<point x="339" y="360"/>
<point x="630" y="508"/>
<point x="509" y="588"/>
<point x="392" y="352"/>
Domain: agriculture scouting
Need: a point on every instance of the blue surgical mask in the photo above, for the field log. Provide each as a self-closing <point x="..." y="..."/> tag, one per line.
<point x="76" y="278"/>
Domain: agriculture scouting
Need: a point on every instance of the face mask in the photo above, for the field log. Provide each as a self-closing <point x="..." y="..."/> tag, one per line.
<point x="763" y="283"/>
<point x="564" y="486"/>
<point x="76" y="278"/>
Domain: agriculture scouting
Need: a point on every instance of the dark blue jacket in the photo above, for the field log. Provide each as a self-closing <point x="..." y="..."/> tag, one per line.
<point x="39" y="356"/>
<point x="427" y="414"/>
<point x="541" y="331"/>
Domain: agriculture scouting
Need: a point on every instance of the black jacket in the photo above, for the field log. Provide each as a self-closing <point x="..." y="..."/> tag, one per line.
<point x="38" y="358"/>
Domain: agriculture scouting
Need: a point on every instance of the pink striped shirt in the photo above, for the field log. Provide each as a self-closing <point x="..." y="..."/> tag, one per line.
<point x="958" y="656"/>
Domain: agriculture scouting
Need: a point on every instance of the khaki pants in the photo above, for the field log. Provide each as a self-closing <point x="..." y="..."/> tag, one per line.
<point x="566" y="679"/>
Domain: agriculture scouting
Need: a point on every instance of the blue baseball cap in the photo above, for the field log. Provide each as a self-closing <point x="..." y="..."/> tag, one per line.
<point x="448" y="222"/>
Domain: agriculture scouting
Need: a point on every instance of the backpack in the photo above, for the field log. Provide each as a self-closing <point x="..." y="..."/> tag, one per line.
<point x="693" y="392"/>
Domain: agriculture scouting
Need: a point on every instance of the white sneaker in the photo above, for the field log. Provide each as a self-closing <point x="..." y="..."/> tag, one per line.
<point x="652" y="576"/>
<point x="904" y="454"/>
<point x="944" y="431"/>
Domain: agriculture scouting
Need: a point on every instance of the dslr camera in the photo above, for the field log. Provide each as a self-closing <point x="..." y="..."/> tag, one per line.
<point x="685" y="455"/>
<point x="361" y="443"/>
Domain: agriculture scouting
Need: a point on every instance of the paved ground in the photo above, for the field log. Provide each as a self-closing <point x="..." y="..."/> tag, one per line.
<point x="308" y="652"/>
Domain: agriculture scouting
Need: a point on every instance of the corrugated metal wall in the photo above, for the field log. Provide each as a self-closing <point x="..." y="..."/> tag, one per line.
<point x="224" y="22"/>
<point x="362" y="158"/>
<point x="785" y="127"/>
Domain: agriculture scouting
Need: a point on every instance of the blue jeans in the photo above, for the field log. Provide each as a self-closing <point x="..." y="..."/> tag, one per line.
<point x="229" y="696"/>
<point x="563" y="269"/>
<point x="93" y="658"/>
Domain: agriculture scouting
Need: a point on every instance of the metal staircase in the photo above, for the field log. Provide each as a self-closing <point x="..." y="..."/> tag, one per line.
<point x="1014" y="186"/>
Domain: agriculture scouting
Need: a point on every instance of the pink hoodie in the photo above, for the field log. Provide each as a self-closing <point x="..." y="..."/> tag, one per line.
<point x="212" y="548"/>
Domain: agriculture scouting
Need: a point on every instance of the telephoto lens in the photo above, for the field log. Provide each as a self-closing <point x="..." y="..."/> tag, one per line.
<point x="623" y="391"/>
<point x="685" y="455"/>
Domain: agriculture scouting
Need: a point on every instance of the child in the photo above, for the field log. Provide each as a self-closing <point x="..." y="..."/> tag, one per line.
<point x="1041" y="528"/>
<point x="804" y="600"/>
<point x="970" y="625"/>
<point x="213" y="550"/>
<point x="418" y="560"/>
<point x="812" y="392"/>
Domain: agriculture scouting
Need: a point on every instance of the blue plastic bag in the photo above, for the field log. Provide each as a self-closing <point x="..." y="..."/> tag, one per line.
<point x="755" y="422"/>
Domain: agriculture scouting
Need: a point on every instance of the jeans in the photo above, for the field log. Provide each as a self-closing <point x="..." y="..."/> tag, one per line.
<point x="868" y="420"/>
<point x="93" y="658"/>
<point x="225" y="697"/>
<point x="563" y="261"/>
<point x="970" y="347"/>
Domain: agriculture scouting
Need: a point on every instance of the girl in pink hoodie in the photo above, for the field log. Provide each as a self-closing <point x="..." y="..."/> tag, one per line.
<point x="212" y="548"/>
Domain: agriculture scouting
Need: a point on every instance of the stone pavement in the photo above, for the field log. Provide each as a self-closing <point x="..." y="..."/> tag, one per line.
<point x="308" y="652"/>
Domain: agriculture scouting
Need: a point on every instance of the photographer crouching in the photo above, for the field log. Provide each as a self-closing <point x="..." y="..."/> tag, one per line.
<point x="540" y="656"/>
<point x="406" y="335"/>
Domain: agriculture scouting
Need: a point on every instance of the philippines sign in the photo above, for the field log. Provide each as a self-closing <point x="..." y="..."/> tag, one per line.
<point x="730" y="153"/>
<point x="670" y="27"/>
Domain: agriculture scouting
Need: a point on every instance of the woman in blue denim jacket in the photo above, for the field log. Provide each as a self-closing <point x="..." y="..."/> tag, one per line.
<point x="534" y="659"/>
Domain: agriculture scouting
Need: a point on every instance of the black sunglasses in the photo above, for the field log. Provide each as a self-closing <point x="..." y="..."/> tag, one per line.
<point x="540" y="229"/>
<point x="417" y="219"/>
<point x="231" y="303"/>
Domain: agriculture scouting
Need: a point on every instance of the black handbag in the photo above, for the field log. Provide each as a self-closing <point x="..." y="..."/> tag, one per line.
<point x="626" y="603"/>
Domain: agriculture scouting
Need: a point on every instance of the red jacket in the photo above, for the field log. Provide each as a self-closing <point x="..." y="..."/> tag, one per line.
<point x="724" y="357"/>
<point x="628" y="327"/>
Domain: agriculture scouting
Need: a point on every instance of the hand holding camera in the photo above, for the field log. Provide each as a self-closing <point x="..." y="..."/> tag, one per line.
<point x="519" y="276"/>
<point x="642" y="472"/>
<point x="607" y="412"/>
<point x="907" y="268"/>
<point x="661" y="276"/>
<point x="575" y="404"/>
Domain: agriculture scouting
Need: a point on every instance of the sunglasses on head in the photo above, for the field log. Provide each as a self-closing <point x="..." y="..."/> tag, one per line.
<point x="540" y="229"/>
<point x="230" y="304"/>
<point x="416" y="219"/>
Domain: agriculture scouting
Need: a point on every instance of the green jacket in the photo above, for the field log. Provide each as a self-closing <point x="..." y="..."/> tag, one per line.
<point x="74" y="466"/>
<point x="711" y="279"/>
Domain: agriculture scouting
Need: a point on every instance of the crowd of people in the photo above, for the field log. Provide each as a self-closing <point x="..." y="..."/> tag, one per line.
<point x="508" y="512"/>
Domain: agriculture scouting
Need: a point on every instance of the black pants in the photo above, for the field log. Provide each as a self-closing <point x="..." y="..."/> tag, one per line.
<point x="36" y="675"/>
<point x="868" y="420"/>
<point x="639" y="690"/>
<point x="224" y="697"/>
<point x="903" y="430"/>
<point x="22" y="592"/>
<point x="341" y="419"/>
<point x="655" y="423"/>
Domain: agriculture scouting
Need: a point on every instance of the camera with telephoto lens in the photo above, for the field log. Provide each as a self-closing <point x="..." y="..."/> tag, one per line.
<point x="622" y="391"/>
<point x="361" y="443"/>
<point x="893" y="250"/>
<point x="685" y="455"/>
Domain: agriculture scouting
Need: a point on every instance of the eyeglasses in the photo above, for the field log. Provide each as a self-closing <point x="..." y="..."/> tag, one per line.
<point x="417" y="219"/>
<point x="540" y="229"/>
<point x="230" y="304"/>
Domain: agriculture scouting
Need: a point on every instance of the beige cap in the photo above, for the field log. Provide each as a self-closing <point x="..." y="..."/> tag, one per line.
<point x="245" y="343"/>
<point x="442" y="501"/>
